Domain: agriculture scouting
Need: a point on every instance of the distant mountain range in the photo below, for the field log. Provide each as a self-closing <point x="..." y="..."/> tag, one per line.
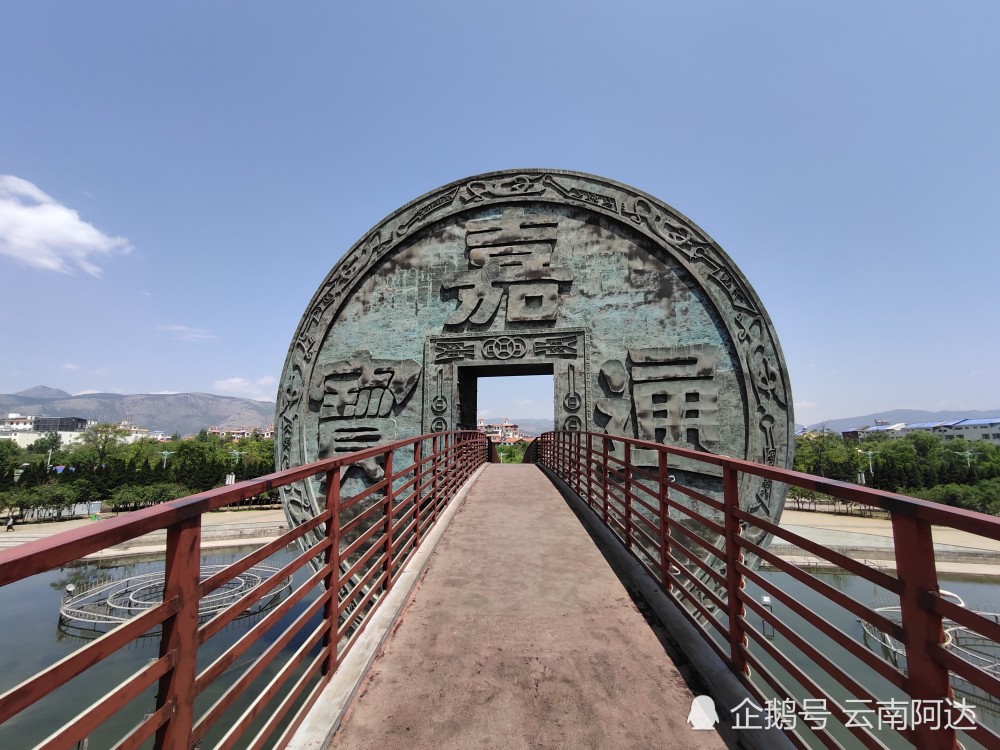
<point x="910" y="416"/>
<point x="183" y="413"/>
<point x="187" y="413"/>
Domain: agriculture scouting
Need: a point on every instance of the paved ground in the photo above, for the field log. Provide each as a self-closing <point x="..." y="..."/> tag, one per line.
<point x="863" y="538"/>
<point x="219" y="529"/>
<point x="521" y="636"/>
<point x="856" y="536"/>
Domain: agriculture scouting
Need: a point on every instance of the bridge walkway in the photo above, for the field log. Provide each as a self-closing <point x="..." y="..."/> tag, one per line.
<point x="520" y="635"/>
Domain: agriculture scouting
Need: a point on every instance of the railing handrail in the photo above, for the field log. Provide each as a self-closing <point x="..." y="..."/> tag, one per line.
<point x="346" y="588"/>
<point x="962" y="519"/>
<point x="701" y="546"/>
<point x="46" y="553"/>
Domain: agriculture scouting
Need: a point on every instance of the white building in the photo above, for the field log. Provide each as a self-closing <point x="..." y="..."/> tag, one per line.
<point x="969" y="429"/>
<point x="18" y="422"/>
<point x="25" y="429"/>
<point x="503" y="431"/>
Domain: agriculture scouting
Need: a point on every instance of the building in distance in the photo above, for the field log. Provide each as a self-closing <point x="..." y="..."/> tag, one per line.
<point x="504" y="432"/>
<point x="970" y="429"/>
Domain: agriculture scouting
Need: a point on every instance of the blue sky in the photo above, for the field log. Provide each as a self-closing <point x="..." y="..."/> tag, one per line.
<point x="181" y="176"/>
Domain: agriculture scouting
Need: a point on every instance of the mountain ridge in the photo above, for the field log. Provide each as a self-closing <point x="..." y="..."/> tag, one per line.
<point x="187" y="413"/>
<point x="183" y="413"/>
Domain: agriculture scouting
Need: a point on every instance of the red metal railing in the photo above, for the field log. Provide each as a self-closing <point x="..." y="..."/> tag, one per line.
<point x="793" y="655"/>
<point x="356" y="547"/>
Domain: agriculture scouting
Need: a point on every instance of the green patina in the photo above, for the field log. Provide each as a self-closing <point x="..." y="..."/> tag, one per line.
<point x="648" y="328"/>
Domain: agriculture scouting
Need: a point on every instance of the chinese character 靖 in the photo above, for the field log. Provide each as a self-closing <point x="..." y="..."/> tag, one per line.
<point x="355" y="399"/>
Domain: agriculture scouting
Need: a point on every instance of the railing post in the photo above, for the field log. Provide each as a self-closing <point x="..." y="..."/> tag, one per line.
<point x="180" y="633"/>
<point x="734" y="580"/>
<point x="577" y="473"/>
<point x="389" y="499"/>
<point x="567" y="463"/>
<point x="331" y="609"/>
<point x="627" y="495"/>
<point x="447" y="451"/>
<point x="435" y="460"/>
<point x="663" y="496"/>
<point x="604" y="480"/>
<point x="590" y="470"/>
<point x="417" y="490"/>
<point x="926" y="680"/>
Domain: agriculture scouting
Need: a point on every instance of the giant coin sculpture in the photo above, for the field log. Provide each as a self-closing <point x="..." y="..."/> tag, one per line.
<point x="648" y="328"/>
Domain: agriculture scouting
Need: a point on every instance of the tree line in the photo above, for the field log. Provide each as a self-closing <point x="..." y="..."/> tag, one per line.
<point x="47" y="477"/>
<point x="960" y="473"/>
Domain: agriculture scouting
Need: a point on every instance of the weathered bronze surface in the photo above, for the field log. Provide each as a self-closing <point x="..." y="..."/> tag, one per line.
<point x="648" y="328"/>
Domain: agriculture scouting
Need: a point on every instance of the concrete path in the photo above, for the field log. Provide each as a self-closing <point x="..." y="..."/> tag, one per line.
<point x="521" y="636"/>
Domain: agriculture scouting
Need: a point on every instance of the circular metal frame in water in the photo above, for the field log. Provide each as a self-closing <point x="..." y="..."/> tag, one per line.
<point x="968" y="645"/>
<point x="111" y="603"/>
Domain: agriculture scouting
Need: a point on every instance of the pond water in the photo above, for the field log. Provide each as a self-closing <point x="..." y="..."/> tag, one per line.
<point x="978" y="593"/>
<point x="34" y="638"/>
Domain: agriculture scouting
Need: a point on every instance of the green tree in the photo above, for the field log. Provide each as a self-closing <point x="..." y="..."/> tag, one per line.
<point x="52" y="441"/>
<point x="104" y="439"/>
<point x="11" y="457"/>
<point x="828" y="455"/>
<point x="512" y="454"/>
<point x="17" y="500"/>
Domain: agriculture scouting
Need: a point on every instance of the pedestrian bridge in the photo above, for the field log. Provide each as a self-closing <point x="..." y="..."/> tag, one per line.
<point x="576" y="601"/>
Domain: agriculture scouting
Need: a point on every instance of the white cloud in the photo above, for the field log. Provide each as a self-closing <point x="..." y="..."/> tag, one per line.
<point x="261" y="389"/>
<point x="185" y="333"/>
<point x="38" y="231"/>
<point x="70" y="366"/>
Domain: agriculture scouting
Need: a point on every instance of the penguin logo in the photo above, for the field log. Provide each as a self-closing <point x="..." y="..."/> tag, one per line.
<point x="702" y="715"/>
